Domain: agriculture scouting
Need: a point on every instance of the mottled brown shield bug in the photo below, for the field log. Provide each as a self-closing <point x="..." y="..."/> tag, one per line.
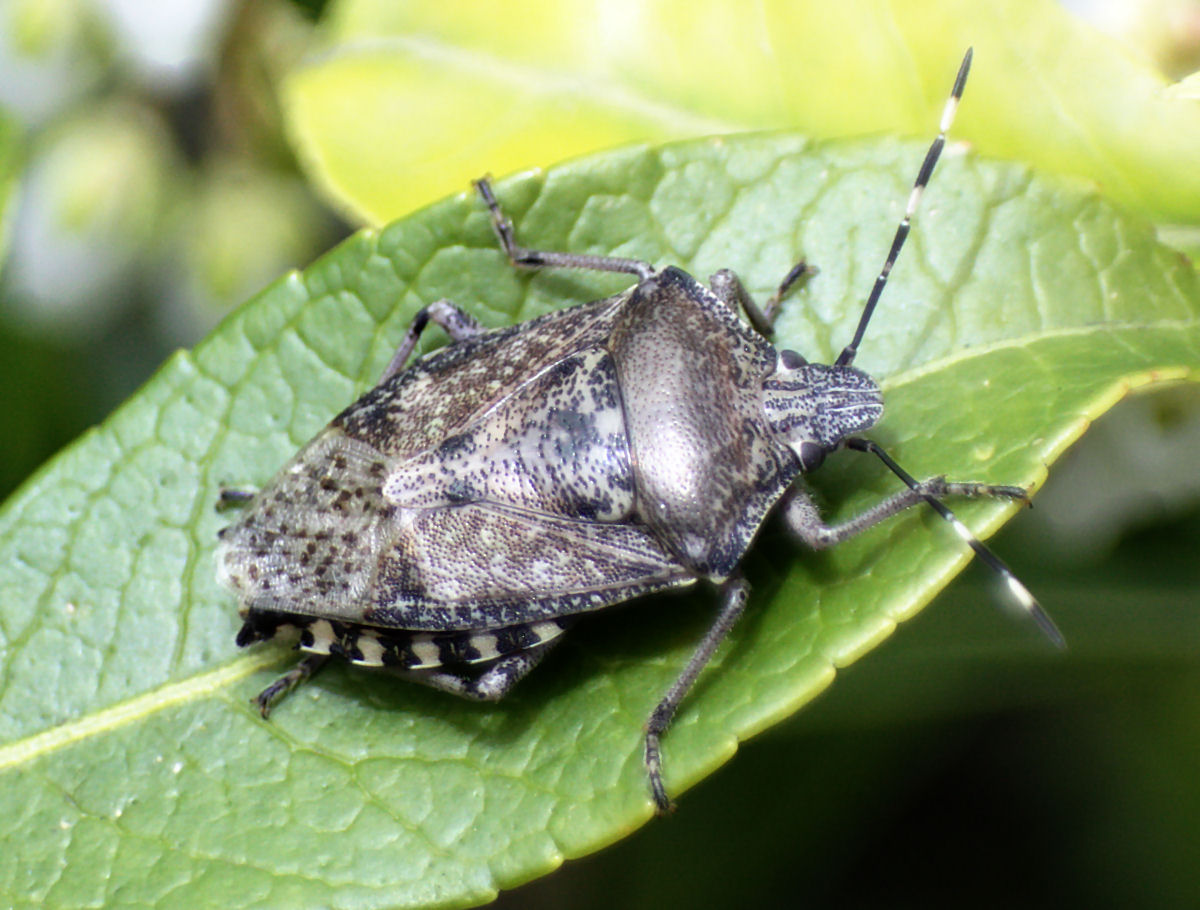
<point x="454" y="520"/>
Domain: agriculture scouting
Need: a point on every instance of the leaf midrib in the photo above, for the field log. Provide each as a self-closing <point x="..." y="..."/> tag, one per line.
<point x="128" y="711"/>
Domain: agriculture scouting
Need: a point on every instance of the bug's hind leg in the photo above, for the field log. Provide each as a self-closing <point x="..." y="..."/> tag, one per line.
<point x="263" y="626"/>
<point x="490" y="685"/>
<point x="230" y="498"/>
<point x="493" y="683"/>
<point x="521" y="256"/>
<point x="303" y="671"/>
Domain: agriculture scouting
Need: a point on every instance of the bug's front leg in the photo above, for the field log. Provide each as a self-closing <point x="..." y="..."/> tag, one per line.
<point x="729" y="288"/>
<point x="805" y="521"/>
<point x="734" y="594"/>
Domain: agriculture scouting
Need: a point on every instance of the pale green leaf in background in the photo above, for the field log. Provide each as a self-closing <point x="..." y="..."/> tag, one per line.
<point x="407" y="98"/>
<point x="10" y="160"/>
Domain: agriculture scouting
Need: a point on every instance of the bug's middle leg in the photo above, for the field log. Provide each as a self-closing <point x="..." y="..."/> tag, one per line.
<point x="734" y="594"/>
<point x="454" y="322"/>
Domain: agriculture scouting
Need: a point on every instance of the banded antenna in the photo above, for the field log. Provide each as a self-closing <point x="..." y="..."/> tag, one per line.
<point x="914" y="200"/>
<point x="1020" y="594"/>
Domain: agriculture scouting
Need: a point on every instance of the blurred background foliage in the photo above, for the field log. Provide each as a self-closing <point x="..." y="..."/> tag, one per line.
<point x="156" y="193"/>
<point x="149" y="185"/>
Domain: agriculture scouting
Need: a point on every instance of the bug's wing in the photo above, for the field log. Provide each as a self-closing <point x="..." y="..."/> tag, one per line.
<point x="316" y="545"/>
<point x="309" y="541"/>
<point x="441" y="394"/>
<point x="485" y="566"/>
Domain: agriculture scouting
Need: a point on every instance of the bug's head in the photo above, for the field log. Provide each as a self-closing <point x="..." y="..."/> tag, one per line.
<point x="811" y="407"/>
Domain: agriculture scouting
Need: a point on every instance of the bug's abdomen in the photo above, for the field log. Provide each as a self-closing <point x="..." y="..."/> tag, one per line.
<point x="371" y="646"/>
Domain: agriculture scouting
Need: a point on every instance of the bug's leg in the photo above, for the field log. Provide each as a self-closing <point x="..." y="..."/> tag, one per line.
<point x="805" y="521"/>
<point x="802" y="517"/>
<point x="734" y="593"/>
<point x="730" y="291"/>
<point x="305" y="669"/>
<point x="454" y="322"/>
<point x="521" y="256"/>
<point x="262" y="625"/>
<point x="233" y="499"/>
<point x="729" y="288"/>
<point x="490" y="685"/>
<point x="726" y="285"/>
<point x="800" y="270"/>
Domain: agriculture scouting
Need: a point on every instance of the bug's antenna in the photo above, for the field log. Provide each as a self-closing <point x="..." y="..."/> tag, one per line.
<point x="1021" y="594"/>
<point x="914" y="200"/>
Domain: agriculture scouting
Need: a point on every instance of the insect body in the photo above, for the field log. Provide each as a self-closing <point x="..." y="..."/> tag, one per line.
<point x="454" y="520"/>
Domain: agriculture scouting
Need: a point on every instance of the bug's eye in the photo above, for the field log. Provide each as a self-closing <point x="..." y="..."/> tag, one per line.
<point x="791" y="360"/>
<point x="811" y="456"/>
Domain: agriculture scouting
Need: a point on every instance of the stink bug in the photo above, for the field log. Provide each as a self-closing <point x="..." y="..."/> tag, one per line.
<point x="453" y="521"/>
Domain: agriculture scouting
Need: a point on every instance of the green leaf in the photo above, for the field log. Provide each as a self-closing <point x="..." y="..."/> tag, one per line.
<point x="135" y="770"/>
<point x="406" y="98"/>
